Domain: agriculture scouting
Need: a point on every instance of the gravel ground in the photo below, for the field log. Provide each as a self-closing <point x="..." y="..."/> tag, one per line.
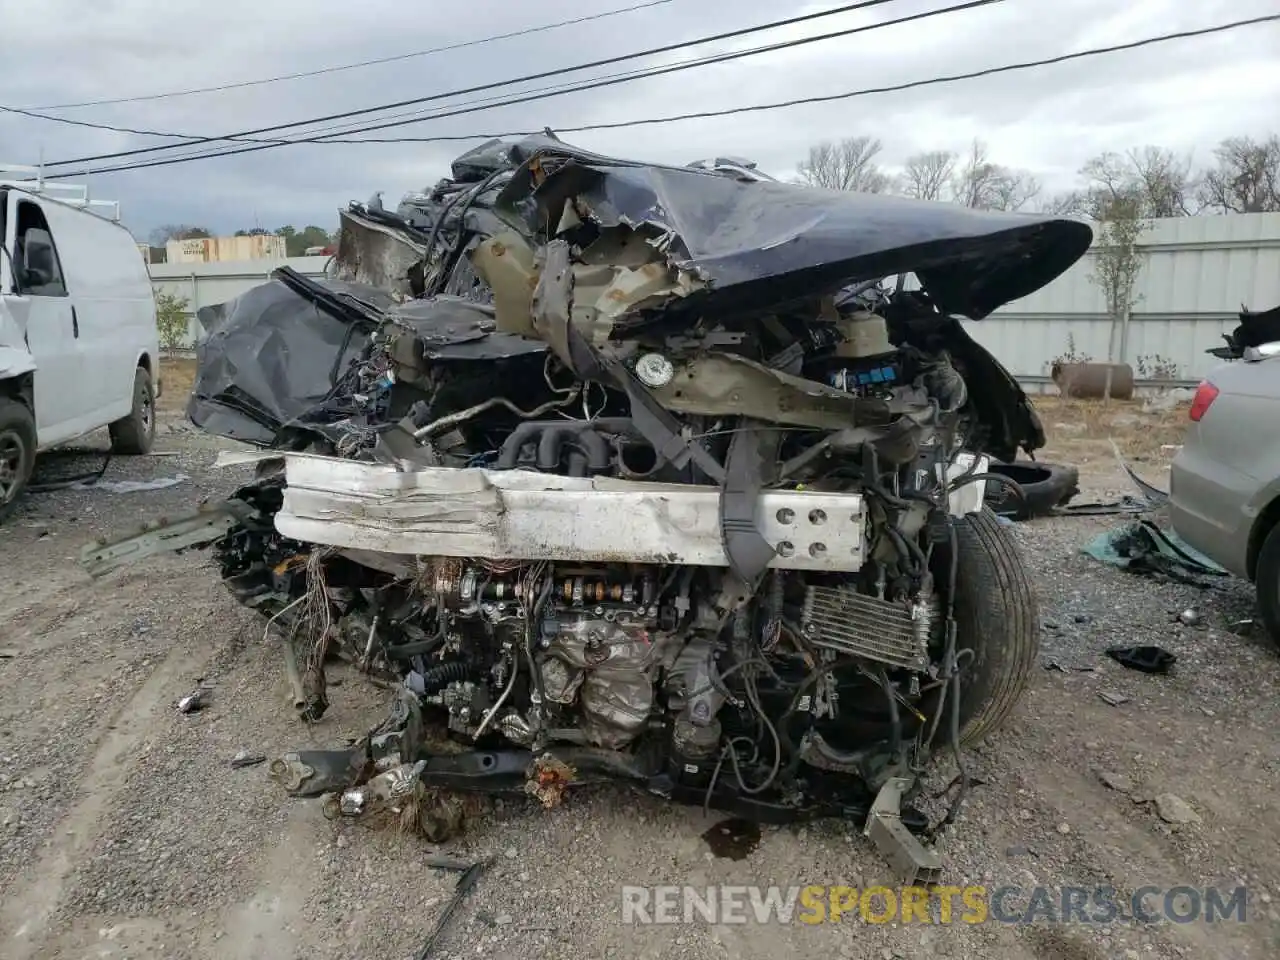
<point x="125" y="833"/>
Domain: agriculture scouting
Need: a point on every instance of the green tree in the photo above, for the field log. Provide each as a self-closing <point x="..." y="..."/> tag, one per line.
<point x="171" y="321"/>
<point x="296" y="241"/>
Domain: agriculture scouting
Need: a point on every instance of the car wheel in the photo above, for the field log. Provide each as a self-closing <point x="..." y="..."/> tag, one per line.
<point x="17" y="452"/>
<point x="135" y="433"/>
<point x="1267" y="582"/>
<point x="997" y="618"/>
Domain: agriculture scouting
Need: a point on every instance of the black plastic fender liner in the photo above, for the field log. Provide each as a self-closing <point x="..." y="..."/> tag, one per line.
<point x="1044" y="487"/>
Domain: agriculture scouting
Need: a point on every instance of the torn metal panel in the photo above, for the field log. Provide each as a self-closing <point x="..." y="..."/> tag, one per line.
<point x="606" y="291"/>
<point x="720" y="384"/>
<point x="516" y="514"/>
<point x="617" y="275"/>
<point x="376" y="252"/>
<point x="506" y="262"/>
<point x="913" y="863"/>
<point x="450" y="329"/>
<point x="163" y="536"/>
<point x="1257" y="329"/>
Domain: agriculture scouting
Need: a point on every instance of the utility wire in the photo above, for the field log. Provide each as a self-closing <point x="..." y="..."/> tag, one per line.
<point x="241" y="84"/>
<point x="323" y="133"/>
<point x="705" y="114"/>
<point x="608" y="61"/>
<point x="540" y="93"/>
<point x="192" y="139"/>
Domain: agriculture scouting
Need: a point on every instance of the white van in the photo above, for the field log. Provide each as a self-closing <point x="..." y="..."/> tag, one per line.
<point x="78" y="340"/>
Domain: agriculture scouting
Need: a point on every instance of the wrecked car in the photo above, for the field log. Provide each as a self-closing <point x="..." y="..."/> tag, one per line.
<point x="626" y="472"/>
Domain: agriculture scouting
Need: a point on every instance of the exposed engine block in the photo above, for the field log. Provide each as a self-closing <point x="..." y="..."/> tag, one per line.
<point x="594" y="637"/>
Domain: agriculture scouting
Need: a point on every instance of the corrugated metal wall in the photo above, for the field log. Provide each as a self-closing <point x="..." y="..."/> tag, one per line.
<point x="203" y="284"/>
<point x="1197" y="273"/>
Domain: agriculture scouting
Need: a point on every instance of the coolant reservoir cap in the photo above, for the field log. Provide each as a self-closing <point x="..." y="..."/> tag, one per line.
<point x="654" y="370"/>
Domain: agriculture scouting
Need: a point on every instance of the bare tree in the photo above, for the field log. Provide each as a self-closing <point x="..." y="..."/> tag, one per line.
<point x="972" y="184"/>
<point x="1071" y="203"/>
<point x="980" y="183"/>
<point x="1246" y="178"/>
<point x="1107" y="180"/>
<point x="1014" y="189"/>
<point x="1165" y="181"/>
<point x="177" y="231"/>
<point x="928" y="176"/>
<point x="846" y="165"/>
<point x="1116" y="265"/>
<point x="1158" y="180"/>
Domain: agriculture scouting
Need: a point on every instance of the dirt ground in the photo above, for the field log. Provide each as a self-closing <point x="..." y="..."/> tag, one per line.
<point x="125" y="832"/>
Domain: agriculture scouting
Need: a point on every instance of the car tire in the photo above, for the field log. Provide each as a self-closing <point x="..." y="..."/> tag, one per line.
<point x="1044" y="486"/>
<point x="136" y="433"/>
<point x="997" y="617"/>
<point x="1267" y="583"/>
<point x="17" y="452"/>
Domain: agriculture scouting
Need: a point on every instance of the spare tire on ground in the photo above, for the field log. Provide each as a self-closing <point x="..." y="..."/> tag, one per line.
<point x="1044" y="486"/>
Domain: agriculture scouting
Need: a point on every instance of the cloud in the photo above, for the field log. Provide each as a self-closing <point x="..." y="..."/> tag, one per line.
<point x="1186" y="94"/>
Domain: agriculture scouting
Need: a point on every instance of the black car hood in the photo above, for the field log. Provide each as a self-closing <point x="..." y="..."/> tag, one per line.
<point x="760" y="242"/>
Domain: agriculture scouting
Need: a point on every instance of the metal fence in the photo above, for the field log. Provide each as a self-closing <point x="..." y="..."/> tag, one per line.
<point x="205" y="284"/>
<point x="1196" y="274"/>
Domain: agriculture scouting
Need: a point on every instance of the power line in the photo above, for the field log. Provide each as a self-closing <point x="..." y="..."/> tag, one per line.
<point x="608" y="61"/>
<point x="237" y="85"/>
<point x="192" y="139"/>
<point x="527" y="97"/>
<point x="328" y="133"/>
<point x="706" y="114"/>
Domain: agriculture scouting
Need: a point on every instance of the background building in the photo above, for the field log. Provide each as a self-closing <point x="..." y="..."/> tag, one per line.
<point x="265" y="246"/>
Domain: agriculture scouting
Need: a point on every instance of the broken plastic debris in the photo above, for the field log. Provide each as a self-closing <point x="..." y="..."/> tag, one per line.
<point x="131" y="486"/>
<point x="1142" y="547"/>
<point x="1147" y="659"/>
<point x="1190" y="617"/>
<point x="244" y="758"/>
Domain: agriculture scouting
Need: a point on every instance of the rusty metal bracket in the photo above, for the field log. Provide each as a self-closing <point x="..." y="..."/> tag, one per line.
<point x="912" y="862"/>
<point x="162" y="536"/>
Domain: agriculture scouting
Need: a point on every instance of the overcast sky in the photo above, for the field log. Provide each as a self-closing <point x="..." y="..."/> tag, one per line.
<point x="1184" y="94"/>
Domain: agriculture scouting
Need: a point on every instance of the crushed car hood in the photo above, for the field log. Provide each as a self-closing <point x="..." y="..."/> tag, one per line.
<point x="761" y="242"/>
<point x="273" y="356"/>
<point x="273" y="353"/>
<point x="646" y="241"/>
